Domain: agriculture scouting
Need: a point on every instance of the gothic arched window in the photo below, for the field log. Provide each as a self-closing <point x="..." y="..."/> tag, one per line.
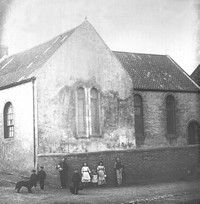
<point x="81" y="112"/>
<point x="171" y="119"/>
<point x="193" y="133"/>
<point x="138" y="108"/>
<point x="94" y="111"/>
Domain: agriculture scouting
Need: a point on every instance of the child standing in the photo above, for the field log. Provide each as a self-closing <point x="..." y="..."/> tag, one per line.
<point x="94" y="178"/>
<point x="34" y="178"/>
<point x="76" y="179"/>
<point x="41" y="177"/>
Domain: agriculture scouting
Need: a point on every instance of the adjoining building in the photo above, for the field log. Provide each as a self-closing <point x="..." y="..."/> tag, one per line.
<point x="196" y="75"/>
<point x="72" y="96"/>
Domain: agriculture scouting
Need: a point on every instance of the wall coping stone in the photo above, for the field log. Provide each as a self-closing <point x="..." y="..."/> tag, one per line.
<point x="121" y="151"/>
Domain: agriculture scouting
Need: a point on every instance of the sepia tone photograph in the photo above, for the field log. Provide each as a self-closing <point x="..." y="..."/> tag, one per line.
<point x="99" y="101"/>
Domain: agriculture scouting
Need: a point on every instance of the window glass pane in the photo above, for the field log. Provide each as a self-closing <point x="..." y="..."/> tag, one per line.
<point x="138" y="109"/>
<point x="81" y="93"/>
<point x="81" y="111"/>
<point x="11" y="131"/>
<point x="137" y="100"/>
<point x="170" y="106"/>
<point x="8" y="121"/>
<point x="170" y="102"/>
<point x="94" y="112"/>
<point x="94" y="94"/>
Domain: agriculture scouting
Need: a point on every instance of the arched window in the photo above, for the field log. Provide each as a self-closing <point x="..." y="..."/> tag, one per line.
<point x="138" y="109"/>
<point x="87" y="112"/>
<point x="171" y="119"/>
<point x="193" y="133"/>
<point x="94" y="112"/>
<point x="81" y="112"/>
<point x="8" y="121"/>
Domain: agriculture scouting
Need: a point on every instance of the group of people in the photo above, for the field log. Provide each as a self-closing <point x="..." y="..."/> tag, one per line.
<point x="40" y="176"/>
<point x="97" y="177"/>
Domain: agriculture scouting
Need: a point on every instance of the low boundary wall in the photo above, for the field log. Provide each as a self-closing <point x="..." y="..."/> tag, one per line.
<point x="141" y="165"/>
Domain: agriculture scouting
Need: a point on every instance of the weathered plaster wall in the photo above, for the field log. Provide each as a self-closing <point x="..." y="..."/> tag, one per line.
<point x="83" y="60"/>
<point x="154" y="112"/>
<point x="17" y="153"/>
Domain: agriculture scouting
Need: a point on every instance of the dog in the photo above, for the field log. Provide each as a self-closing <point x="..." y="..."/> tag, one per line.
<point x="27" y="184"/>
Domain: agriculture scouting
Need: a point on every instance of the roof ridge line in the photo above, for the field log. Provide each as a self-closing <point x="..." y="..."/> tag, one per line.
<point x="28" y="49"/>
<point x="184" y="72"/>
<point x="139" y="53"/>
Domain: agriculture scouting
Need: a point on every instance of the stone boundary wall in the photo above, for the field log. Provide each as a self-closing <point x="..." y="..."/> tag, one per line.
<point x="141" y="165"/>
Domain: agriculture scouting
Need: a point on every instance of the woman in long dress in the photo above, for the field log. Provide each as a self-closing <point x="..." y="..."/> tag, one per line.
<point x="85" y="171"/>
<point x="101" y="174"/>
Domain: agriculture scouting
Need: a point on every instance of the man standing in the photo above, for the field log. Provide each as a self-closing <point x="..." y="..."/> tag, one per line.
<point x="119" y="170"/>
<point x="41" y="177"/>
<point x="63" y="169"/>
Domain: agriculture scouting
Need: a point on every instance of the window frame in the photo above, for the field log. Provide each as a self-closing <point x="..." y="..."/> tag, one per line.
<point x="139" y="135"/>
<point x="90" y="112"/>
<point x="170" y="134"/>
<point x="189" y="138"/>
<point x="87" y="92"/>
<point x="77" y="111"/>
<point x="7" y="127"/>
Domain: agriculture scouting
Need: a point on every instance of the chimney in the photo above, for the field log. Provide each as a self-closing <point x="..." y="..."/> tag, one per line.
<point x="3" y="51"/>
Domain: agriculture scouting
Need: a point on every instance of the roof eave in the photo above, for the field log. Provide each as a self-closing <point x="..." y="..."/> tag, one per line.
<point x="32" y="79"/>
<point x="166" y="90"/>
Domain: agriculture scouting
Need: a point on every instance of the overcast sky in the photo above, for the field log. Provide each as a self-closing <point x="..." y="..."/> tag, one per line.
<point x="145" y="26"/>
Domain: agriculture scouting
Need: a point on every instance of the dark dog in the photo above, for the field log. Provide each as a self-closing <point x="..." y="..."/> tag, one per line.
<point x="27" y="184"/>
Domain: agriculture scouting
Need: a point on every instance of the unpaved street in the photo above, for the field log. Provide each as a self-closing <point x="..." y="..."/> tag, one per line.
<point x="178" y="192"/>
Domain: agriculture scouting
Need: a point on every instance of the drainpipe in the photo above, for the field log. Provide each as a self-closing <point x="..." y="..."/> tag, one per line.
<point x="34" y="125"/>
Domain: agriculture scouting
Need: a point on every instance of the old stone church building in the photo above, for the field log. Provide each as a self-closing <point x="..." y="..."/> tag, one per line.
<point x="72" y="96"/>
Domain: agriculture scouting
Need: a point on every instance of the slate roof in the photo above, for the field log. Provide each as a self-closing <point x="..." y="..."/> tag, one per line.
<point x="19" y="67"/>
<point x="155" y="72"/>
<point x="196" y="75"/>
<point x="148" y="72"/>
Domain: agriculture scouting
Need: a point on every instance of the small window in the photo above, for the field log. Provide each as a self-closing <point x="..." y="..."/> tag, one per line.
<point x="94" y="112"/>
<point x="81" y="112"/>
<point x="171" y="120"/>
<point x="8" y="121"/>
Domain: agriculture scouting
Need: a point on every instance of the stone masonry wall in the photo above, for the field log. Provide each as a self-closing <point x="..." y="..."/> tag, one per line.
<point x="154" y="116"/>
<point x="83" y="60"/>
<point x="150" y="165"/>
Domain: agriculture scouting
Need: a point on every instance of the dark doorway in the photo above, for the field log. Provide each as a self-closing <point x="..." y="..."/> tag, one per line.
<point x="193" y="133"/>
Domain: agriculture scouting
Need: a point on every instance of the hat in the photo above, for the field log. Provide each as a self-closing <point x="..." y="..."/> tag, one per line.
<point x="33" y="170"/>
<point x="42" y="167"/>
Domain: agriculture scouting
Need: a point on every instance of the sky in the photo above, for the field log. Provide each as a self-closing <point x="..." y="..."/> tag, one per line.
<point x="141" y="26"/>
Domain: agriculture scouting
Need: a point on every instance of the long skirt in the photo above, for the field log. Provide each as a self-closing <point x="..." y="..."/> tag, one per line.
<point x="85" y="177"/>
<point x="101" y="178"/>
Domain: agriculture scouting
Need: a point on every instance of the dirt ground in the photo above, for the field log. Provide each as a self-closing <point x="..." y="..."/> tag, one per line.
<point x="178" y="192"/>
